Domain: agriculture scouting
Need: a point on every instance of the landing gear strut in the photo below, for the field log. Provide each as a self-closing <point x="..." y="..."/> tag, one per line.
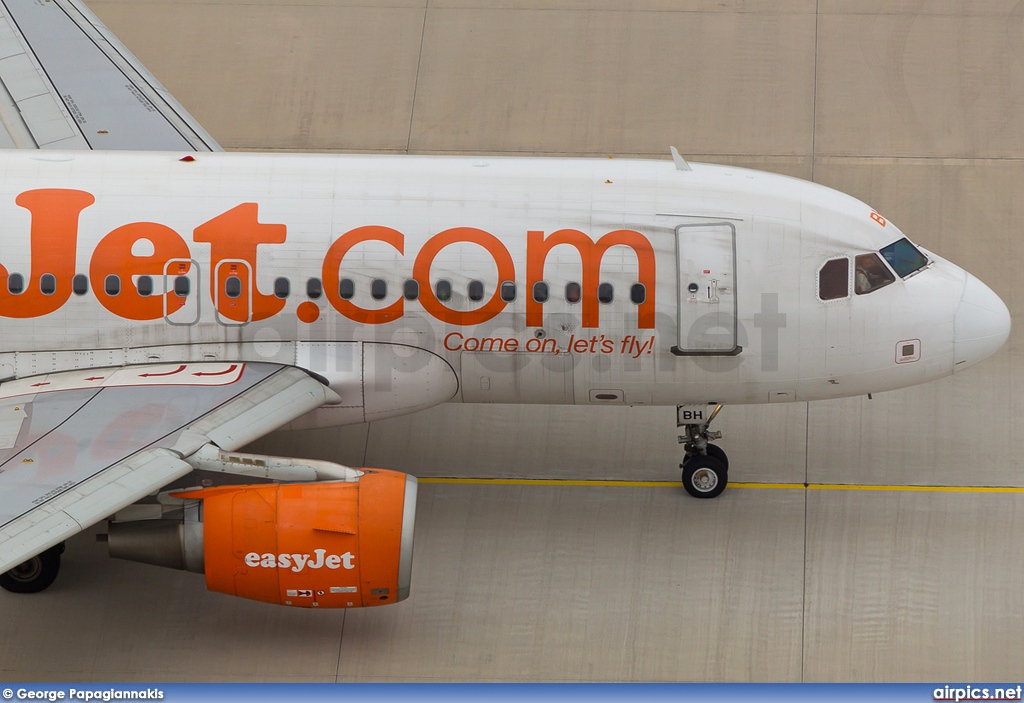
<point x="34" y="575"/>
<point x="705" y="466"/>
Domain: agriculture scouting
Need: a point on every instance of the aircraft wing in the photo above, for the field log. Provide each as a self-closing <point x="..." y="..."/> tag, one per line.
<point x="68" y="83"/>
<point x="77" y="446"/>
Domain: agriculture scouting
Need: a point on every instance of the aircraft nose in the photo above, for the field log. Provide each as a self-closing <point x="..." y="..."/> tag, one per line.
<point x="981" y="325"/>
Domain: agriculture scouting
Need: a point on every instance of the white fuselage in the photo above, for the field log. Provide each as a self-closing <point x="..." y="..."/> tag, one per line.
<point x="713" y="275"/>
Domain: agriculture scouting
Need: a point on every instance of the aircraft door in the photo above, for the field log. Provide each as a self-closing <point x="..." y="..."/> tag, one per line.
<point x="232" y="294"/>
<point x="706" y="277"/>
<point x="181" y="287"/>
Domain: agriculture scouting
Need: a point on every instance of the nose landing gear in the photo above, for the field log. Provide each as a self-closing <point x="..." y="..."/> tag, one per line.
<point x="705" y="466"/>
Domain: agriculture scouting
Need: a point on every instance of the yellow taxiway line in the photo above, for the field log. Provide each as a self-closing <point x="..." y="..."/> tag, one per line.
<point x="676" y="484"/>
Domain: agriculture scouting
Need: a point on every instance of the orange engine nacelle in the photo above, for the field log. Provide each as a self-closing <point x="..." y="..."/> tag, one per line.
<point x="330" y="544"/>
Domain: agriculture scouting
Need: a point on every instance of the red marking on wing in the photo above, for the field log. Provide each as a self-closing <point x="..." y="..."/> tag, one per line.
<point x="216" y="373"/>
<point x="169" y="373"/>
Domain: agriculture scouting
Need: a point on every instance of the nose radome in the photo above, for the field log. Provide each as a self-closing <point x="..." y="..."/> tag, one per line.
<point x="981" y="325"/>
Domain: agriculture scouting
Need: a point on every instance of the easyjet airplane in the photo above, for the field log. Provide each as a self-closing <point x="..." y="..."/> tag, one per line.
<point x="164" y="304"/>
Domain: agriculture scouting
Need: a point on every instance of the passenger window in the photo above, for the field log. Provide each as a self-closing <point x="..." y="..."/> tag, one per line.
<point x="540" y="292"/>
<point x="346" y="288"/>
<point x="15" y="284"/>
<point x="412" y="289"/>
<point x="379" y="289"/>
<point x="443" y="289"/>
<point x="145" y="286"/>
<point x="47" y="284"/>
<point x="476" y="291"/>
<point x="80" y="284"/>
<point x="182" y="286"/>
<point x="637" y="293"/>
<point x="834" y="279"/>
<point x="233" y="286"/>
<point x="314" y="289"/>
<point x="282" y="287"/>
<point x="508" y="291"/>
<point x="572" y="292"/>
<point x="112" y="285"/>
<point x="605" y="293"/>
<point x="870" y="274"/>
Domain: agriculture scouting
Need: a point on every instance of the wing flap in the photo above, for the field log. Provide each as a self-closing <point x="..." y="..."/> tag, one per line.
<point x="12" y="419"/>
<point x="30" y="113"/>
<point x="46" y="122"/>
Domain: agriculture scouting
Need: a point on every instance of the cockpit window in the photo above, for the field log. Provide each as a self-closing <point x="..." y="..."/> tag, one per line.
<point x="904" y="257"/>
<point x="871" y="274"/>
<point x="834" y="279"/>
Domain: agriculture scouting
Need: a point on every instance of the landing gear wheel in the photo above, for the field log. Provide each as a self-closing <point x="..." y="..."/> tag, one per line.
<point x="34" y="575"/>
<point x="715" y="451"/>
<point x="704" y="476"/>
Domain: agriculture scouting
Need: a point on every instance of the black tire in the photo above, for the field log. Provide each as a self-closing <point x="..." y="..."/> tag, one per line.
<point x="704" y="476"/>
<point x="36" y="574"/>
<point x="715" y="451"/>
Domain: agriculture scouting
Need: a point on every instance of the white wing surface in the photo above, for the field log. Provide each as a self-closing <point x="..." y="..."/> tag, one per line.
<point x="77" y="446"/>
<point x="68" y="83"/>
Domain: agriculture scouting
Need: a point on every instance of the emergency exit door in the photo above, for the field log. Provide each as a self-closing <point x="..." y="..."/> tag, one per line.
<point x="232" y="293"/>
<point x="706" y="276"/>
<point x="181" y="292"/>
